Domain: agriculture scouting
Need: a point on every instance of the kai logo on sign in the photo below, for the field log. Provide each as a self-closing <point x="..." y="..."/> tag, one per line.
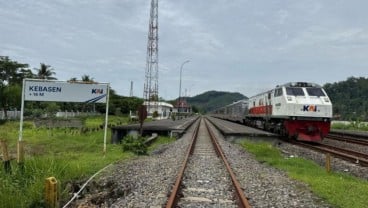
<point x="310" y="108"/>
<point x="97" y="91"/>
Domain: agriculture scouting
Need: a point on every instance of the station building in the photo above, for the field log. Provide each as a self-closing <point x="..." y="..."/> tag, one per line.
<point x="163" y="109"/>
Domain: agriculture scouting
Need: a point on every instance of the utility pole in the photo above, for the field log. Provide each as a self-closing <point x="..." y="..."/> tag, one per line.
<point x="131" y="89"/>
<point x="181" y="71"/>
<point x="150" y="93"/>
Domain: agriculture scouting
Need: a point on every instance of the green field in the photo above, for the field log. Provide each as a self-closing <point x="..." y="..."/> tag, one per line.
<point x="340" y="190"/>
<point x="66" y="154"/>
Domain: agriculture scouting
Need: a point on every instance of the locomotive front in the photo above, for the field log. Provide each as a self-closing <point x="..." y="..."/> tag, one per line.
<point x="299" y="110"/>
<point x="309" y="111"/>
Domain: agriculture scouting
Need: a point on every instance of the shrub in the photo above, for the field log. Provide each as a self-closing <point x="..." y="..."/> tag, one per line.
<point x="155" y="114"/>
<point x="135" y="145"/>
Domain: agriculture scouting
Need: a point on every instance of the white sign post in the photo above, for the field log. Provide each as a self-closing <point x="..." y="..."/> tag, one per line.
<point x="59" y="91"/>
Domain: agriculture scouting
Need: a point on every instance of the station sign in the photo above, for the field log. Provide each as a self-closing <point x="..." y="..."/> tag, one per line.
<point x="61" y="91"/>
<point x="45" y="90"/>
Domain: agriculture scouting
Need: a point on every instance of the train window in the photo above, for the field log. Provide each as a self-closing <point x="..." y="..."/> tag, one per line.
<point x="314" y="91"/>
<point x="296" y="91"/>
<point x="260" y="102"/>
<point x="278" y="92"/>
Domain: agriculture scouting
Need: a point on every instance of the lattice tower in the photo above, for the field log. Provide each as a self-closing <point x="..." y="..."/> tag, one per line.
<point x="150" y="93"/>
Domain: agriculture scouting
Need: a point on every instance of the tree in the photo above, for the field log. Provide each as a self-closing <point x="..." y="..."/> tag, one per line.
<point x="12" y="72"/>
<point x="73" y="79"/>
<point x="349" y="98"/>
<point x="87" y="78"/>
<point x="11" y="76"/>
<point x="45" y="72"/>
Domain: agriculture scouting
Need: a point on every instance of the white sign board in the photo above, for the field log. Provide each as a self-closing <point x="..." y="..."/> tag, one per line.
<point x="57" y="91"/>
<point x="39" y="90"/>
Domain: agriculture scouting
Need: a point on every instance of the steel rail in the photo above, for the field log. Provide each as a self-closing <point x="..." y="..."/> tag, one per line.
<point x="350" y="134"/>
<point x="348" y="139"/>
<point x="242" y="200"/>
<point x="173" y="199"/>
<point x="342" y="150"/>
<point x="345" y="154"/>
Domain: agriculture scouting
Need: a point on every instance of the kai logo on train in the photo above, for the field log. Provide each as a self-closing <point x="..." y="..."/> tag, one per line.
<point x="310" y="108"/>
<point x="97" y="91"/>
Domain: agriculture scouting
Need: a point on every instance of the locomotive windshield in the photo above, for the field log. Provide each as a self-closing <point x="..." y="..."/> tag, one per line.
<point x="296" y="91"/>
<point x="314" y="91"/>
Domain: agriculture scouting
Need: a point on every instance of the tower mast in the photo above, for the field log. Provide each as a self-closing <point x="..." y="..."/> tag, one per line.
<point x="150" y="93"/>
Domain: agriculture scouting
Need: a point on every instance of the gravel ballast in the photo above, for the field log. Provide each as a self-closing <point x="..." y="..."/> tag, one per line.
<point x="147" y="181"/>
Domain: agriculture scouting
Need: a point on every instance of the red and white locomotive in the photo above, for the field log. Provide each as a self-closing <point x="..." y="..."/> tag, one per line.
<point x="298" y="110"/>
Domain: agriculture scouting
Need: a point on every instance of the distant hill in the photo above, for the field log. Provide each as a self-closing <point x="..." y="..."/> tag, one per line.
<point x="349" y="98"/>
<point x="211" y="100"/>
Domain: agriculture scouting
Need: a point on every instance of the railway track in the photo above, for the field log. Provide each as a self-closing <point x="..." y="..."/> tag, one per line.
<point x="346" y="154"/>
<point x="199" y="184"/>
<point x="348" y="138"/>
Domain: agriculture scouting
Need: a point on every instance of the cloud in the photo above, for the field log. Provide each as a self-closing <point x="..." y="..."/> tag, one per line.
<point x="236" y="45"/>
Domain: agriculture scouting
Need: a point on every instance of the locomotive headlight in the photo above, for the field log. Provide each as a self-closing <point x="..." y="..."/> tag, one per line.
<point x="289" y="98"/>
<point x="327" y="100"/>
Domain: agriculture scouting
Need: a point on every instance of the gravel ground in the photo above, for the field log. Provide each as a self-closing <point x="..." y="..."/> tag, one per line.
<point x="142" y="182"/>
<point x="147" y="181"/>
<point x="266" y="186"/>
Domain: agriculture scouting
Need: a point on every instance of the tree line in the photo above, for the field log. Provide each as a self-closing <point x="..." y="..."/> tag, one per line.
<point x="12" y="74"/>
<point x="349" y="98"/>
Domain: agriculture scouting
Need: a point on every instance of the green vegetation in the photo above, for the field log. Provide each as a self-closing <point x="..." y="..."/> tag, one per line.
<point x="349" y="98"/>
<point x="97" y="121"/>
<point x="139" y="147"/>
<point x="12" y="74"/>
<point x="69" y="155"/>
<point x="160" y="141"/>
<point x="354" y="125"/>
<point x="340" y="190"/>
<point x="135" y="145"/>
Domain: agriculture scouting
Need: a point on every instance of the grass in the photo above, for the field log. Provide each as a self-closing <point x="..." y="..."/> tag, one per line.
<point x="354" y="126"/>
<point x="340" y="190"/>
<point x="96" y="121"/>
<point x="160" y="141"/>
<point x="64" y="154"/>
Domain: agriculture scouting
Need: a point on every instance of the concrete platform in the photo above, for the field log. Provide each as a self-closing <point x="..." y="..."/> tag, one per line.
<point x="228" y="128"/>
<point x="166" y="127"/>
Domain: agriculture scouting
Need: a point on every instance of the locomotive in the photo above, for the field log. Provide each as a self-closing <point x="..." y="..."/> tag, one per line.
<point x="299" y="110"/>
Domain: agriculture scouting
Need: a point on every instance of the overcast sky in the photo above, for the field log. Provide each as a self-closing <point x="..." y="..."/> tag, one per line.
<point x="244" y="46"/>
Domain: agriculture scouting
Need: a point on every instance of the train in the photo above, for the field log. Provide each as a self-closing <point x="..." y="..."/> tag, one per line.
<point x="297" y="110"/>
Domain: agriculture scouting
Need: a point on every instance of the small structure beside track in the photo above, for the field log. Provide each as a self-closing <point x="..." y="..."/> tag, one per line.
<point x="166" y="127"/>
<point x="228" y="128"/>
